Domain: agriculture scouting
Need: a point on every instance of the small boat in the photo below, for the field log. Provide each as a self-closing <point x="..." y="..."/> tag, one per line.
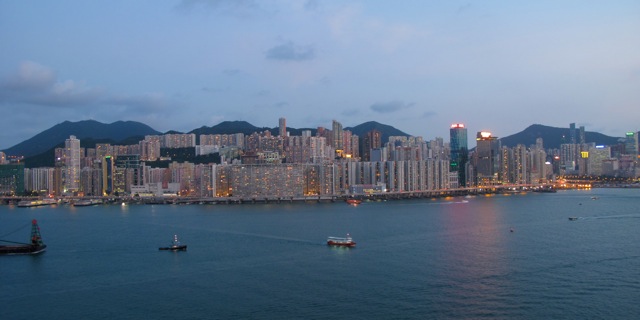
<point x="594" y="198"/>
<point x="36" y="246"/>
<point x="354" y="202"/>
<point x="87" y="202"/>
<point x="175" y="245"/>
<point x="573" y="218"/>
<point x="341" y="242"/>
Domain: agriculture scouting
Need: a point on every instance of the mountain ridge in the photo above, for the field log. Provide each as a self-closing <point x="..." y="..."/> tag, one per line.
<point x="121" y="131"/>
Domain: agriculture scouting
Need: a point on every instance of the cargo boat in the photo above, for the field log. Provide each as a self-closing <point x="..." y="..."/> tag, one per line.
<point x="36" y="246"/>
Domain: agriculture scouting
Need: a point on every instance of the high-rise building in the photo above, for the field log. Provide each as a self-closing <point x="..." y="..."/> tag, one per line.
<point x="338" y="143"/>
<point x="282" y="122"/>
<point x="631" y="144"/>
<point x="12" y="179"/>
<point x="573" y="133"/>
<point x="459" y="151"/>
<point x="488" y="159"/>
<point x="72" y="164"/>
<point x="372" y="140"/>
<point x="108" y="175"/>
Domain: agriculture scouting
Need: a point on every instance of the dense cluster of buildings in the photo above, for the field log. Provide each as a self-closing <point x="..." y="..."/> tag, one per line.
<point x="330" y="162"/>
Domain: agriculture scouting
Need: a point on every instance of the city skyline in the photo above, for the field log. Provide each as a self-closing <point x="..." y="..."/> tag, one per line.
<point x="418" y="66"/>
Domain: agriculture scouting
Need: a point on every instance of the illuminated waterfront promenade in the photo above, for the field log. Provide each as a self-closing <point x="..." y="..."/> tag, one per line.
<point x="382" y="196"/>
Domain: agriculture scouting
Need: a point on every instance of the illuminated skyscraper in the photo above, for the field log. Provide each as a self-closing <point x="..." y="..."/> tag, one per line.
<point x="459" y="151"/>
<point x="488" y="162"/>
<point x="631" y="144"/>
<point x="72" y="164"/>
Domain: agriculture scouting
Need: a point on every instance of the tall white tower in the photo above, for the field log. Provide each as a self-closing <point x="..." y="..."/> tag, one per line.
<point x="72" y="164"/>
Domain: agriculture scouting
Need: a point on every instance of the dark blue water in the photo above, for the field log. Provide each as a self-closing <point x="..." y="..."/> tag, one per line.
<point x="421" y="259"/>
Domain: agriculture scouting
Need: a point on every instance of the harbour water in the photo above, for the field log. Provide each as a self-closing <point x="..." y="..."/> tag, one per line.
<point x="498" y="257"/>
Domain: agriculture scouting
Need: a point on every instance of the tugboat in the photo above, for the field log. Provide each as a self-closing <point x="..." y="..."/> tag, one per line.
<point x="175" y="245"/>
<point x="341" y="242"/>
<point x="36" y="246"/>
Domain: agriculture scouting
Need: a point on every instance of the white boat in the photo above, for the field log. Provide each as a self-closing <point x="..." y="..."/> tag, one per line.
<point x="341" y="242"/>
<point x="37" y="203"/>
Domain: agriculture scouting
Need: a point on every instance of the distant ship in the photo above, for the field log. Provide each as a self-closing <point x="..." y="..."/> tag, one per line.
<point x="36" y="245"/>
<point x="175" y="245"/>
<point x="341" y="242"/>
<point x="354" y="202"/>
<point x="87" y="202"/>
<point x="37" y="203"/>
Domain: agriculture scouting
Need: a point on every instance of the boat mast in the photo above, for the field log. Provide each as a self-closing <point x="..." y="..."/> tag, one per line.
<point x="36" y="239"/>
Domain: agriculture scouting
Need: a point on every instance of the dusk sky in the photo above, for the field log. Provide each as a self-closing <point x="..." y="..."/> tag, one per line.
<point x="419" y="65"/>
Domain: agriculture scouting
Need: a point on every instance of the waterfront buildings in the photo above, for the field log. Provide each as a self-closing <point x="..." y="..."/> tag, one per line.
<point x="263" y="165"/>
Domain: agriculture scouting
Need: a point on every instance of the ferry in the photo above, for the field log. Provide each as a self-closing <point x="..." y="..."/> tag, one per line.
<point x="175" y="245"/>
<point x="341" y="242"/>
<point x="36" y="246"/>
<point x="37" y="203"/>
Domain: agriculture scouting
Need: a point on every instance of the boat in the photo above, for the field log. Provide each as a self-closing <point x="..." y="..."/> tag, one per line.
<point x="36" y="246"/>
<point x="87" y="202"/>
<point x="37" y="203"/>
<point x="354" y="202"/>
<point x="175" y="245"/>
<point x="573" y="218"/>
<point x="341" y="242"/>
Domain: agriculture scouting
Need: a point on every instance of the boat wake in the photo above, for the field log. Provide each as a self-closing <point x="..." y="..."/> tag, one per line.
<point x="624" y="216"/>
<point x="265" y="236"/>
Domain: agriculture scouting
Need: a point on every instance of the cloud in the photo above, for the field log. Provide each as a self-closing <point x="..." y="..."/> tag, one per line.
<point x="429" y="114"/>
<point x="389" y="107"/>
<point x="291" y="52"/>
<point x="233" y="8"/>
<point x="144" y="103"/>
<point x="30" y="75"/>
<point x="311" y="5"/>
<point x="280" y="104"/>
<point x="463" y="8"/>
<point x="36" y="84"/>
<point x="211" y="90"/>
<point x="262" y="93"/>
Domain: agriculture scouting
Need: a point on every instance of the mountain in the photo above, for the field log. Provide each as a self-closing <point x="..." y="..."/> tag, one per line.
<point x="129" y="132"/>
<point x="552" y="137"/>
<point x="386" y="130"/>
<point x="44" y="141"/>
<point x="229" y="127"/>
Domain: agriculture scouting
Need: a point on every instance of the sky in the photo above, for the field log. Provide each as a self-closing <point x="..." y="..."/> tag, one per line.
<point x="418" y="66"/>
